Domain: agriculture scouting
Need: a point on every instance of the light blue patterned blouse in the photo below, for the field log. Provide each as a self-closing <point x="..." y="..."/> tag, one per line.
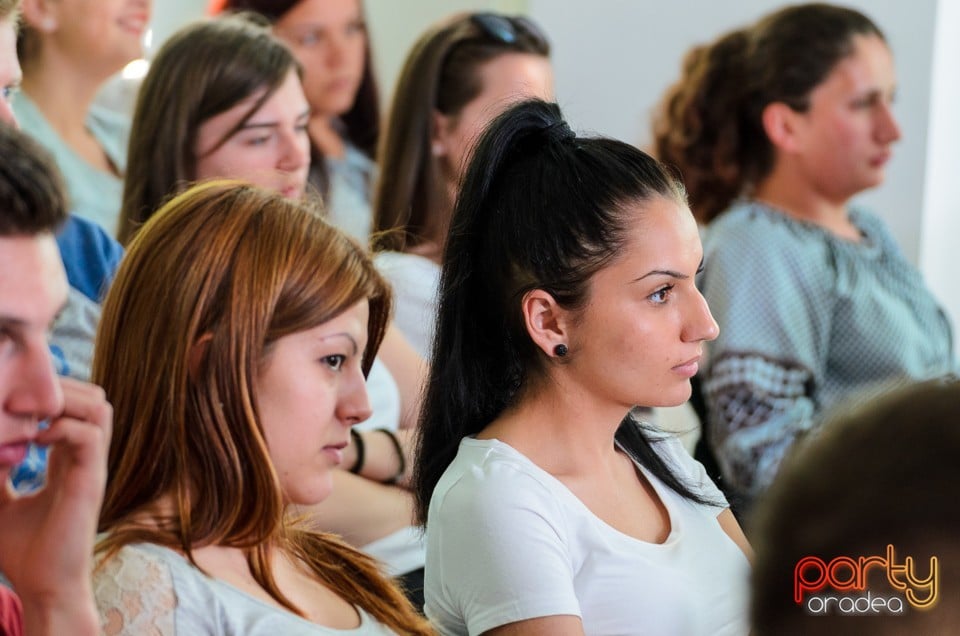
<point x="806" y="319"/>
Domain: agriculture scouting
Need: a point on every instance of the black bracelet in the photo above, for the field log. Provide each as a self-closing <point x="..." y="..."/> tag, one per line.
<point x="358" y="442"/>
<point x="403" y="460"/>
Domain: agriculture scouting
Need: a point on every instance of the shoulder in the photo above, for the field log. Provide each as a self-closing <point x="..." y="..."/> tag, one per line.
<point x="488" y="476"/>
<point x="90" y="255"/>
<point x="875" y="229"/>
<point x="749" y="229"/>
<point x="761" y="253"/>
<point x="112" y="130"/>
<point x="402" y="262"/>
<point x="107" y="121"/>
<point x="499" y="548"/>
<point x="26" y="111"/>
<point x="356" y="158"/>
<point x="32" y="121"/>
<point x="134" y="591"/>
<point x="353" y="169"/>
<point x="689" y="471"/>
<point x="412" y="276"/>
<point x="134" y="565"/>
<point x="492" y="489"/>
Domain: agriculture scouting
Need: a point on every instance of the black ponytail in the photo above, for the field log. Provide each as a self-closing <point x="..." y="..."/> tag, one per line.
<point x="539" y="208"/>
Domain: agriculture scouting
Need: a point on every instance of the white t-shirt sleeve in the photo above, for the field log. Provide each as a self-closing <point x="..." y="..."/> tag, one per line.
<point x="499" y="546"/>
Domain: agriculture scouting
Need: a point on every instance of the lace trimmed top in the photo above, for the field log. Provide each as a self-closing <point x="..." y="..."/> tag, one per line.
<point x="148" y="590"/>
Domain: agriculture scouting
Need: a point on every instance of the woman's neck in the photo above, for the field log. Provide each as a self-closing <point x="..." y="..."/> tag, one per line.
<point x="325" y="137"/>
<point x="63" y="92"/>
<point x="560" y="427"/>
<point x="437" y="222"/>
<point x="794" y="197"/>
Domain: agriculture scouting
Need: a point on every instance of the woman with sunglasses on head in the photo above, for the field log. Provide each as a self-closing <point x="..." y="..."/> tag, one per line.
<point x="458" y="76"/>
<point x="329" y="39"/>
<point x="233" y="346"/>
<point x="223" y="99"/>
<point x="567" y="296"/>
<point x="775" y="127"/>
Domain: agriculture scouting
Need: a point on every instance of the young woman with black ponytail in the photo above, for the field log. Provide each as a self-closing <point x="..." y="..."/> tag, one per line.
<point x="567" y="296"/>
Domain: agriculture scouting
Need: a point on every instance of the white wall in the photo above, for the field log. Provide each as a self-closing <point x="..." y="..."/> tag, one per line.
<point x="941" y="218"/>
<point x="395" y="26"/>
<point x="169" y="15"/>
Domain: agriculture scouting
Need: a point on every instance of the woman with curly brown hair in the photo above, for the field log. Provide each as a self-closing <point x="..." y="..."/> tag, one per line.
<point x="774" y="128"/>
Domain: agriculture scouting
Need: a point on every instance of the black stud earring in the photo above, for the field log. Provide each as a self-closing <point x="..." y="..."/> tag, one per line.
<point x="560" y="350"/>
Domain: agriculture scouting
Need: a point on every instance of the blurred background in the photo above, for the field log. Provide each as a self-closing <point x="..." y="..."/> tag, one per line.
<point x="613" y="59"/>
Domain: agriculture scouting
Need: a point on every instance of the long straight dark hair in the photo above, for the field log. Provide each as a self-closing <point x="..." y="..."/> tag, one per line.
<point x="539" y="208"/>
<point x="202" y="70"/>
<point x="361" y="124"/>
<point x="441" y="74"/>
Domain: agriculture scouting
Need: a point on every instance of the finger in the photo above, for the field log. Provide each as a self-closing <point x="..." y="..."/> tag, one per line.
<point x="86" y="402"/>
<point x="77" y="450"/>
<point x="7" y="492"/>
<point x="77" y="436"/>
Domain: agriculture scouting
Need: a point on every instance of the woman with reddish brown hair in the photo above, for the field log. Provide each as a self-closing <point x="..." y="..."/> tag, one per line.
<point x="234" y="344"/>
<point x="237" y="110"/>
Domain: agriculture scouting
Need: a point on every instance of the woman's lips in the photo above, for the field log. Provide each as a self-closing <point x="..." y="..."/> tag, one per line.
<point x="689" y="368"/>
<point x="335" y="452"/>
<point x="291" y="192"/>
<point x="135" y="24"/>
<point x="881" y="159"/>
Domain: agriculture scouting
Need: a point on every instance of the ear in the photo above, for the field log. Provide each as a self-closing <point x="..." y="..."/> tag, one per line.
<point x="197" y="354"/>
<point x="783" y="126"/>
<point x="40" y="15"/>
<point x="439" y="125"/>
<point x="547" y="323"/>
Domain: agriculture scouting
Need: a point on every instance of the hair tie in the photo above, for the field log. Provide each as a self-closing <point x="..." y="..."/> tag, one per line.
<point x="559" y="132"/>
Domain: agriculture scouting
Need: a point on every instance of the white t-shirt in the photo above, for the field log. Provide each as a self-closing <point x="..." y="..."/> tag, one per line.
<point x="401" y="551"/>
<point x="384" y="396"/>
<point x="415" y="281"/>
<point x="507" y="541"/>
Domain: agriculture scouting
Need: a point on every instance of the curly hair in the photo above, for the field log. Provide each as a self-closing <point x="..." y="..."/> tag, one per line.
<point x="708" y="124"/>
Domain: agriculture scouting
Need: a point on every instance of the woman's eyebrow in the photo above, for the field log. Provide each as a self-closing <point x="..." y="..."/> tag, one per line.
<point x="356" y="348"/>
<point x="273" y="124"/>
<point x="663" y="272"/>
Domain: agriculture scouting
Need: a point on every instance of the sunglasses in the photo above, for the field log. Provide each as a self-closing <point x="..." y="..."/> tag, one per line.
<point x="507" y="29"/>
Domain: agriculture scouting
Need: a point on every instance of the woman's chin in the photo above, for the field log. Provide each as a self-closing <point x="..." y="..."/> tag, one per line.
<point x="309" y="494"/>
